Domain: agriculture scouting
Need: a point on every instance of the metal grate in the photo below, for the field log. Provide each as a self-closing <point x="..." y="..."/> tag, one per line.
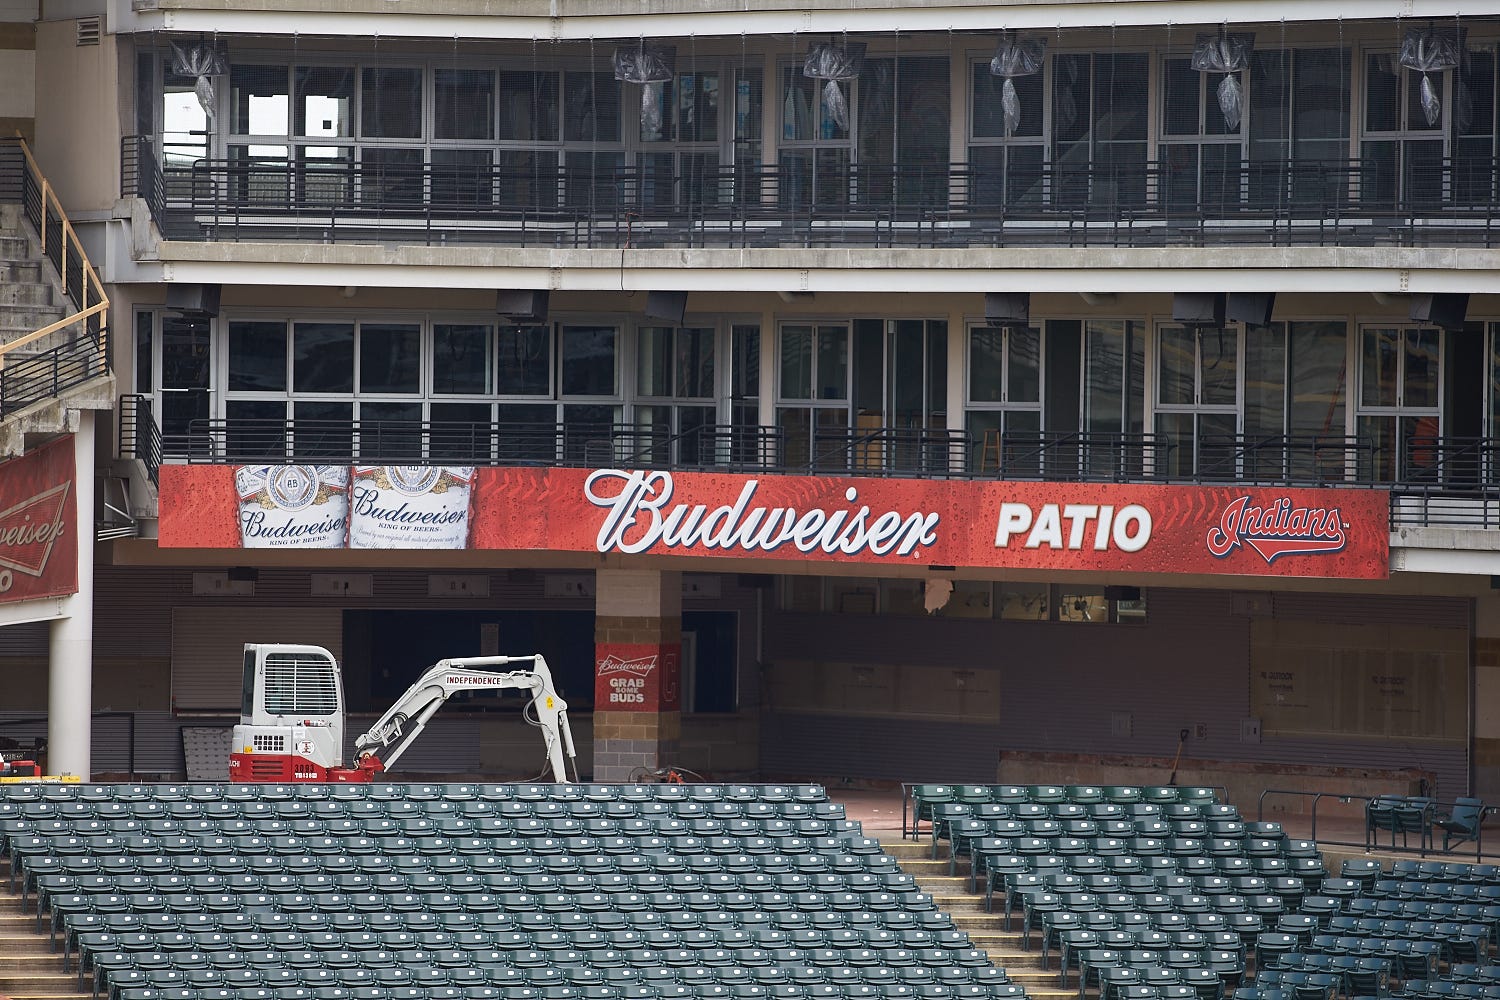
<point x="298" y="685"/>
<point x="89" y="30"/>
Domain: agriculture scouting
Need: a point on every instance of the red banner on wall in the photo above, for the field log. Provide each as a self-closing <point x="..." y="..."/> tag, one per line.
<point x="38" y="524"/>
<point x="637" y="677"/>
<point x="1105" y="527"/>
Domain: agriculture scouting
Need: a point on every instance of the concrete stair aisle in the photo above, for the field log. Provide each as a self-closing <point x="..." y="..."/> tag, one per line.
<point x="29" y="968"/>
<point x="986" y="930"/>
<point x="28" y="298"/>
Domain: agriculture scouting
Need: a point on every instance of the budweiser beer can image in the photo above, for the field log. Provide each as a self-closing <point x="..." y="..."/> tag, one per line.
<point x="411" y="506"/>
<point x="293" y="506"/>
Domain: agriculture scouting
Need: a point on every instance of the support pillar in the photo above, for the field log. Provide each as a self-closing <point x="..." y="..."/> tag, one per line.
<point x="637" y="662"/>
<point x="70" y="652"/>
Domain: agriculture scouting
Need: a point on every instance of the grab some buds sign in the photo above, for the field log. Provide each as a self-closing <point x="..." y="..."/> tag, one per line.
<point x="38" y="524"/>
<point x="1046" y="526"/>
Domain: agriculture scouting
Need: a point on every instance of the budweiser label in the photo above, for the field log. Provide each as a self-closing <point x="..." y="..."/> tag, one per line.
<point x="293" y="506"/>
<point x="411" y="507"/>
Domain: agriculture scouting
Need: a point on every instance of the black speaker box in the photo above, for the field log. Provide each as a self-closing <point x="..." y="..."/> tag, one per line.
<point x="523" y="304"/>
<point x="199" y="300"/>
<point x="1007" y="308"/>
<point x="1198" y="308"/>
<point x="1446" y="310"/>
<point x="1250" y="308"/>
<point x="669" y="307"/>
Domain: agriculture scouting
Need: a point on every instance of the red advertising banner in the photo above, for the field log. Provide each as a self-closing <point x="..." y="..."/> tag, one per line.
<point x="1103" y="527"/>
<point x="38" y="524"/>
<point x="636" y="677"/>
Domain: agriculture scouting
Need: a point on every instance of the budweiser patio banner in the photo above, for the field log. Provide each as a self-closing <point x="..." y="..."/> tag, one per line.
<point x="38" y="524"/>
<point x="1105" y="527"/>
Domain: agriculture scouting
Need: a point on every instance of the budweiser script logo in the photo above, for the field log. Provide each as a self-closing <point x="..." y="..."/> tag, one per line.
<point x="28" y="532"/>
<point x="641" y="516"/>
<point x="1278" y="530"/>
<point x="613" y="664"/>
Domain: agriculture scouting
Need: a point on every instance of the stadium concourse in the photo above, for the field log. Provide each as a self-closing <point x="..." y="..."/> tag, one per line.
<point x="479" y="891"/>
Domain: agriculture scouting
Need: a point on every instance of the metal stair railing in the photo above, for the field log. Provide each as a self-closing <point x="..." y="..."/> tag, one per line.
<point x="40" y="376"/>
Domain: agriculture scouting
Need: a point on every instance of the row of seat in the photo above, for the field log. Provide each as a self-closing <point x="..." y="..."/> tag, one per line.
<point x="931" y="794"/>
<point x="1269" y="896"/>
<point x="851" y="840"/>
<point x="410" y="792"/>
<point x="240" y="931"/>
<point x="969" y="828"/>
<point x="330" y="809"/>
<point x="1413" y="870"/>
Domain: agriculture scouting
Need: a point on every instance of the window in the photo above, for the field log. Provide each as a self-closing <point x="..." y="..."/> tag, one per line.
<point x="1400" y="405"/>
<point x="1201" y="155"/>
<point x="902" y="131"/>
<point x="391" y="103"/>
<point x="525" y="361"/>
<point x="257" y="356"/>
<point x="1003" y="413"/>
<point x="462" y="361"/>
<point x="1403" y="150"/>
<point x="1007" y="169"/>
<point x="675" y="365"/>
<point x="1298" y="126"/>
<point x="1198" y="402"/>
<point x="816" y="150"/>
<point x="1098" y="143"/>
<point x="1295" y="385"/>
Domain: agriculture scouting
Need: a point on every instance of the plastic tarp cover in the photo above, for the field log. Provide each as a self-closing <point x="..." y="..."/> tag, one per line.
<point x="1228" y="54"/>
<point x="203" y="60"/>
<point x="1016" y="57"/>
<point x="833" y="63"/>
<point x="1429" y="50"/>
<point x="649" y="65"/>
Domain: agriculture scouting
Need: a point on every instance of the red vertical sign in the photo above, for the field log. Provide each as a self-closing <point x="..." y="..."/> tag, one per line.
<point x="38" y="524"/>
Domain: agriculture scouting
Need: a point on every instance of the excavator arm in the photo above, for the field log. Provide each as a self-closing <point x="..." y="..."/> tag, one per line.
<point x="404" y="721"/>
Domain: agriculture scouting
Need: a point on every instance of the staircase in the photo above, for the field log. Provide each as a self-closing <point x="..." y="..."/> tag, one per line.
<point x="53" y="313"/>
<point x="29" y="968"/>
<point x="986" y="930"/>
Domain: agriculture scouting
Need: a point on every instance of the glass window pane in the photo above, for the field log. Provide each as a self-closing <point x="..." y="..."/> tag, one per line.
<point x="145" y="324"/>
<point x="390" y="432"/>
<point x="833" y="362"/>
<point x="1177" y="366"/>
<point x="588" y="360"/>
<point x="256" y="429"/>
<point x="746" y="346"/>
<point x="695" y="363"/>
<point x="1265" y="381"/>
<point x="461" y="362"/>
<point x="391" y="176"/>
<point x="391" y="104"/>
<point x="1382" y="93"/>
<point x="390" y="357"/>
<point x="1380" y="357"/>
<point x="259" y="102"/>
<point x="1420" y="385"/>
<point x="592" y="107"/>
<point x="525" y="361"/>
<point x="528" y="106"/>
<point x="463" y="103"/>
<point x="184" y="126"/>
<point x="1024" y="380"/>
<point x="653" y="356"/>
<point x="323" y="357"/>
<point x="1181" y="90"/>
<point x="800" y="98"/>
<point x="1104" y="370"/>
<point x="796" y="362"/>
<point x="1318" y="366"/>
<point x="325" y="97"/>
<point x="1220" y="354"/>
<point x="462" y="178"/>
<point x="986" y="365"/>
<point x="257" y="357"/>
<point x="323" y="429"/>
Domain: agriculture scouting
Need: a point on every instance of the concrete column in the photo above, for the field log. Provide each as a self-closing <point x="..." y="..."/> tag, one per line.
<point x="70" y="654"/>
<point x="637" y="684"/>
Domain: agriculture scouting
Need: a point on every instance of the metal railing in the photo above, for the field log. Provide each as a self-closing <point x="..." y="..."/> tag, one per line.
<point x="1428" y="811"/>
<point x="21" y="181"/>
<point x="1335" y="202"/>
<point x="139" y="436"/>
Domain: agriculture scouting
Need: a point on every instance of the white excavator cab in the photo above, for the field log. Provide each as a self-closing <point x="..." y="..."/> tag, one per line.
<point x="291" y="715"/>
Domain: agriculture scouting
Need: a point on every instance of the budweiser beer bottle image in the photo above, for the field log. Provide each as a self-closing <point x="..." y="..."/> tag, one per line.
<point x="293" y="506"/>
<point x="411" y="506"/>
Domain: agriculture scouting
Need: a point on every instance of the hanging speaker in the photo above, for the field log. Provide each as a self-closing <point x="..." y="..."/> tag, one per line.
<point x="194" y="300"/>
<point x="669" y="307"/>
<point x="522" y="305"/>
<point x="1007" y="308"/>
<point x="1447" y="310"/>
<point x="1250" y="308"/>
<point x="1198" y="308"/>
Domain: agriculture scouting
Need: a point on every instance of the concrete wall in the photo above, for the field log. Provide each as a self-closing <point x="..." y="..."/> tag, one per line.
<point x="17" y="76"/>
<point x="1122" y="691"/>
<point x="78" y="150"/>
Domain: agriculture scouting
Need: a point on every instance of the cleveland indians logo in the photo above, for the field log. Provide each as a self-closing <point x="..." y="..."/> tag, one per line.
<point x="1278" y="530"/>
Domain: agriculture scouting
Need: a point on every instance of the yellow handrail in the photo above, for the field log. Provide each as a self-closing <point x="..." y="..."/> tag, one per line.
<point x="70" y="245"/>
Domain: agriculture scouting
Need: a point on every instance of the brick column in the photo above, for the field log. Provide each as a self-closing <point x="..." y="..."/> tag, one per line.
<point x="637" y="655"/>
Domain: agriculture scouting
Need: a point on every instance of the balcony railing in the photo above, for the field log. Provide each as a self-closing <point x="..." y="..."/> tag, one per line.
<point x="1446" y="481"/>
<point x="882" y="205"/>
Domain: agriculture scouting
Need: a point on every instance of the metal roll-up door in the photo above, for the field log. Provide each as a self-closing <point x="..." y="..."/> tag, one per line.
<point x="208" y="648"/>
